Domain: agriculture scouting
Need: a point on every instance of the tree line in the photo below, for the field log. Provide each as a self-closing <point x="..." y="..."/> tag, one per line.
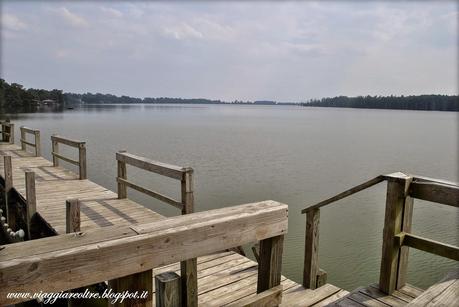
<point x="418" y="102"/>
<point x="14" y="97"/>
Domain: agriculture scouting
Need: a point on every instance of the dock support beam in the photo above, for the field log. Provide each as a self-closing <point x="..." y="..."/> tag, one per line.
<point x="168" y="293"/>
<point x="122" y="173"/>
<point x="72" y="215"/>
<point x="31" y="208"/>
<point x="140" y="282"/>
<point x="188" y="268"/>
<point x="8" y="175"/>
<point x="270" y="265"/>
<point x="311" y="249"/>
<point x="398" y="217"/>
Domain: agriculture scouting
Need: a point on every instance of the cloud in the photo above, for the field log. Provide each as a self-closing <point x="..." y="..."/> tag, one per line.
<point x="72" y="18"/>
<point x="12" y="22"/>
<point x="112" y="12"/>
<point x="182" y="31"/>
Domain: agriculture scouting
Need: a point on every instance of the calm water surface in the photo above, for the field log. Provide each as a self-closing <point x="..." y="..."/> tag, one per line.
<point x="291" y="154"/>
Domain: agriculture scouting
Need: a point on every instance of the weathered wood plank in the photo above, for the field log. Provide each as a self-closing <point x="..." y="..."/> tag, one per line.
<point x="346" y="193"/>
<point x="141" y="282"/>
<point x="428" y="245"/>
<point x="82" y="169"/>
<point x="72" y="215"/>
<point x="311" y="249"/>
<point x="151" y="193"/>
<point x="397" y="188"/>
<point x="268" y="298"/>
<point x="270" y="265"/>
<point x="31" y="198"/>
<point x="164" y="169"/>
<point x="435" y="192"/>
<point x="443" y="293"/>
<point x="67" y="141"/>
<point x="138" y="253"/>
<point x="168" y="293"/>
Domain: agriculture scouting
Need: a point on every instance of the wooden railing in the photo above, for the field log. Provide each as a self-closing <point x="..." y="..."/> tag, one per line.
<point x="397" y="236"/>
<point x="76" y="260"/>
<point x="36" y="142"/>
<point x="81" y="163"/>
<point x="16" y="217"/>
<point x="7" y="131"/>
<point x="189" y="278"/>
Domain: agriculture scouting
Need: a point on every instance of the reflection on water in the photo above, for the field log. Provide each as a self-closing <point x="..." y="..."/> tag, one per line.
<point x="291" y="154"/>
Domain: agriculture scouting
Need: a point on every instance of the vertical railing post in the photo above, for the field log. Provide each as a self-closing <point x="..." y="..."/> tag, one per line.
<point x="55" y="149"/>
<point x="122" y="173"/>
<point x="188" y="267"/>
<point x="270" y="264"/>
<point x="8" y="175"/>
<point x="72" y="215"/>
<point x="167" y="286"/>
<point x="3" y="132"/>
<point x="23" y="137"/>
<point x="141" y="282"/>
<point x="31" y="208"/>
<point x="397" y="218"/>
<point x="37" y="143"/>
<point x="82" y="161"/>
<point x="11" y="134"/>
<point x="311" y="249"/>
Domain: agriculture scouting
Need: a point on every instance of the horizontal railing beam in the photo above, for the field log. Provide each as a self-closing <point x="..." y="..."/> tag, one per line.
<point x="74" y="162"/>
<point x="63" y="264"/>
<point x="66" y="141"/>
<point x="29" y="130"/>
<point x="346" y="193"/>
<point x="28" y="143"/>
<point x="160" y="168"/>
<point x="428" y="245"/>
<point x="435" y="192"/>
<point x="151" y="193"/>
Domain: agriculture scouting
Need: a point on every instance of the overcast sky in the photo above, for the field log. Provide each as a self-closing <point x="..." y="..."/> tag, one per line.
<point x="289" y="51"/>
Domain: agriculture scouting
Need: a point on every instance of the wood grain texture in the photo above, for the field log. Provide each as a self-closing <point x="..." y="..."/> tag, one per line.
<point x="78" y="266"/>
<point x="167" y="289"/>
<point x="311" y="249"/>
<point x="72" y="215"/>
<point x="270" y="265"/>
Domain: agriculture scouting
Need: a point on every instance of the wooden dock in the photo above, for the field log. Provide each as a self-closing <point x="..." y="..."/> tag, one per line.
<point x="71" y="226"/>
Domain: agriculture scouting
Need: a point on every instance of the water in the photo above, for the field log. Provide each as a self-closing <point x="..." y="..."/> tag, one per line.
<point x="291" y="154"/>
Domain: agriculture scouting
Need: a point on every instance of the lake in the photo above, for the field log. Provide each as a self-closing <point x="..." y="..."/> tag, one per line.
<point x="291" y="154"/>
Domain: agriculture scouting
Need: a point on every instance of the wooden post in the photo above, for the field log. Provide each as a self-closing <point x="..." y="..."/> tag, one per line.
<point x="37" y="144"/>
<point x="23" y="137"/>
<point x="82" y="161"/>
<point x="72" y="215"/>
<point x="8" y="169"/>
<point x="311" y="249"/>
<point x="31" y="199"/>
<point x="188" y="268"/>
<point x="270" y="265"/>
<point x="3" y="130"/>
<point x="11" y="132"/>
<point x="140" y="282"/>
<point x="167" y="288"/>
<point x="55" y="149"/>
<point x="397" y="216"/>
<point x="122" y="173"/>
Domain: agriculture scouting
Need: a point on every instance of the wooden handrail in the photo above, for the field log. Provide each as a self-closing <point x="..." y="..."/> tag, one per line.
<point x="188" y="267"/>
<point x="401" y="190"/>
<point x="7" y="131"/>
<point x="70" y="261"/>
<point x="428" y="245"/>
<point x="346" y="193"/>
<point x="36" y="144"/>
<point x="81" y="163"/>
<point x="151" y="193"/>
<point x="67" y="141"/>
<point x="160" y="168"/>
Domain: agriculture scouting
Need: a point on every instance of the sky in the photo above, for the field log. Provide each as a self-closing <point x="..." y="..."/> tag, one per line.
<point x="283" y="51"/>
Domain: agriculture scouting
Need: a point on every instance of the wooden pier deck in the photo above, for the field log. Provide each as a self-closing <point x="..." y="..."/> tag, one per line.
<point x="111" y="228"/>
<point x="54" y="185"/>
<point x="224" y="278"/>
